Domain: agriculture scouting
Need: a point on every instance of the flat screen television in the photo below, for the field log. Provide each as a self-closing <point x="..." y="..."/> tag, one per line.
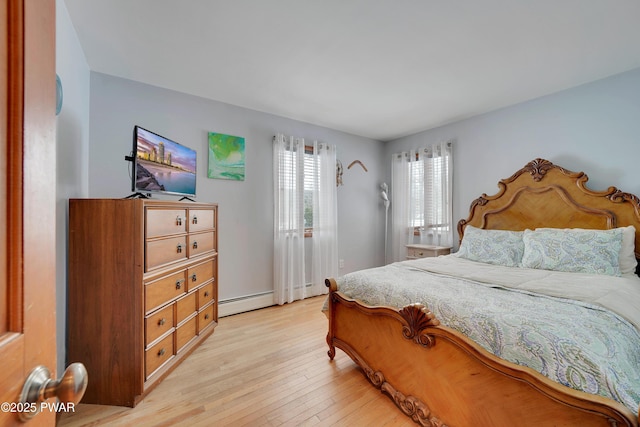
<point x="161" y="165"/>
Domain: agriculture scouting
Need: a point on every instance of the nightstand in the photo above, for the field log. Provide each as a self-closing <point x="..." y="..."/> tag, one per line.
<point x="424" y="251"/>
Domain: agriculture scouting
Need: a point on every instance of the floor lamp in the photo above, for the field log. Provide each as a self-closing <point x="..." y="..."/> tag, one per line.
<point x="385" y="198"/>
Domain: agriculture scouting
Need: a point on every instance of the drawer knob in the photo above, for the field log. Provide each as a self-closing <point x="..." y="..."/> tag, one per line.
<point x="206" y="316"/>
<point x="179" y="248"/>
<point x="161" y="352"/>
<point x="162" y="321"/>
<point x="195" y="220"/>
<point x="179" y="220"/>
<point x="206" y="294"/>
<point x="179" y="283"/>
<point x="195" y="245"/>
<point x="193" y="277"/>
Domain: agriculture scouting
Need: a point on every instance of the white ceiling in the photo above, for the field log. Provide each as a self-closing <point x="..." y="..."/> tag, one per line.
<point x="377" y="68"/>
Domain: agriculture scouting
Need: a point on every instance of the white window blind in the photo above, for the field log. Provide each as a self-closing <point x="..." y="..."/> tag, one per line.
<point x="288" y="166"/>
<point x="428" y="205"/>
<point x="310" y="180"/>
<point x="436" y="202"/>
<point x="416" y="192"/>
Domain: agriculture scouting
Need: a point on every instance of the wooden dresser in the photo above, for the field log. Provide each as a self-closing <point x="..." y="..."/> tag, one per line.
<point x="142" y="292"/>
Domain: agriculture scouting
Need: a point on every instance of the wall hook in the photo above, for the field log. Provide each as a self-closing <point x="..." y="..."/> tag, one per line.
<point x="358" y="162"/>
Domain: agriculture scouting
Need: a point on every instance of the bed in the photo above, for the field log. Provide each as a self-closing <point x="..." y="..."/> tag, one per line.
<point x="508" y="337"/>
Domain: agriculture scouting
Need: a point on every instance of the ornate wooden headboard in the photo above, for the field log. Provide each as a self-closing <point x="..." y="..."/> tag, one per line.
<point x="542" y="194"/>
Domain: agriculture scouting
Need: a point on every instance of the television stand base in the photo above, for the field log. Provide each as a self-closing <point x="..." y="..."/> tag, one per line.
<point x="138" y="195"/>
<point x="186" y="198"/>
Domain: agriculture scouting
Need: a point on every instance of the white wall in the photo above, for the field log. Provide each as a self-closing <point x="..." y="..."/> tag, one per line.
<point x="72" y="152"/>
<point x="593" y="128"/>
<point x="245" y="207"/>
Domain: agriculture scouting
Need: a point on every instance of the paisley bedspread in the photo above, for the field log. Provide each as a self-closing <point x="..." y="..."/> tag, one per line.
<point x="579" y="330"/>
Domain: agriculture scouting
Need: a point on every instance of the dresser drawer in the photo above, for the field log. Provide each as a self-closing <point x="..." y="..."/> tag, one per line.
<point x="165" y="222"/>
<point x="201" y="219"/>
<point x="157" y="324"/>
<point x="185" y="307"/>
<point x="205" y="295"/>
<point x="186" y="333"/>
<point x="205" y="317"/>
<point x="161" y="291"/>
<point x="201" y="243"/>
<point x="157" y="355"/>
<point x="199" y="274"/>
<point x="164" y="251"/>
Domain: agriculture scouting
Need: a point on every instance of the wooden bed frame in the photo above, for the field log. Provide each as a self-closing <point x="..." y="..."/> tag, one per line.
<point x="438" y="376"/>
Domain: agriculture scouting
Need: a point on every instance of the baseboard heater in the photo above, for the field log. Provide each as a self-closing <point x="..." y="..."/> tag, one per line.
<point x="245" y="303"/>
<point x="238" y="305"/>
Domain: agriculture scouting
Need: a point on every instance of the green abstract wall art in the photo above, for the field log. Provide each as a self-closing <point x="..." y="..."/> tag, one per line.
<point x="226" y="157"/>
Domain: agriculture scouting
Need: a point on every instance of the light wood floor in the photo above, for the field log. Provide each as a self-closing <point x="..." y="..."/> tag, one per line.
<point x="267" y="367"/>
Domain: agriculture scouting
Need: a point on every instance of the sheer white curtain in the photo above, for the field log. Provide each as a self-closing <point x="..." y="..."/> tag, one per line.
<point x="437" y="227"/>
<point x="324" y="255"/>
<point x="401" y="229"/>
<point x="305" y="197"/>
<point x="288" y="239"/>
<point x="421" y="188"/>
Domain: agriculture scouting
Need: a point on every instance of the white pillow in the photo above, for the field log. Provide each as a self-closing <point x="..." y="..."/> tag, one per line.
<point x="499" y="247"/>
<point x="573" y="250"/>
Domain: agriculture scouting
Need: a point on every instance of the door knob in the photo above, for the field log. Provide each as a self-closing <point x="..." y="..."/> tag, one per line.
<point x="39" y="387"/>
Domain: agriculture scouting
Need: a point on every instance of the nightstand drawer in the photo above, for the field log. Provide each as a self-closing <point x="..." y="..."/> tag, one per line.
<point x="424" y="251"/>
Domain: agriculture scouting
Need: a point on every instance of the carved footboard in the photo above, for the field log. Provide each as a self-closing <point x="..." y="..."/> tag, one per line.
<point x="439" y="377"/>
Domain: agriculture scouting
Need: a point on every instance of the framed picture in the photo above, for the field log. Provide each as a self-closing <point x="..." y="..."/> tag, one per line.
<point x="226" y="157"/>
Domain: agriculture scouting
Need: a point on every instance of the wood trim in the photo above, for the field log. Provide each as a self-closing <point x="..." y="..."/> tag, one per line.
<point x="15" y="126"/>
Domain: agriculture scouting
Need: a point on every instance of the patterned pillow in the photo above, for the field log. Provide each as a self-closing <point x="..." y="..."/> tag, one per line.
<point x="500" y="247"/>
<point x="573" y="250"/>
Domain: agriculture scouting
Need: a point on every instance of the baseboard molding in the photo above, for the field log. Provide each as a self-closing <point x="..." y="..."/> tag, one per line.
<point x="242" y="304"/>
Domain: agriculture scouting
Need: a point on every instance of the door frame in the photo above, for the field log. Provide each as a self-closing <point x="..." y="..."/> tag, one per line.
<point x="28" y="245"/>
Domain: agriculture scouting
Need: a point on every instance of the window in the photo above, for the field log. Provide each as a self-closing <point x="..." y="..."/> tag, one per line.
<point x="310" y="179"/>
<point x="428" y="203"/>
